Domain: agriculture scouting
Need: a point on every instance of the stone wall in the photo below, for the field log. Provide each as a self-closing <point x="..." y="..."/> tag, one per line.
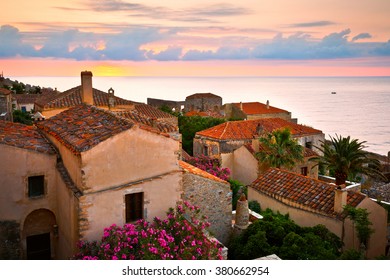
<point x="9" y="240"/>
<point x="158" y="103"/>
<point x="215" y="201"/>
<point x="203" y="104"/>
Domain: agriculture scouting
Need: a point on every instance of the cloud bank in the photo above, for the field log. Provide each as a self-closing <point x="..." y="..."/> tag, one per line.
<point x="129" y="44"/>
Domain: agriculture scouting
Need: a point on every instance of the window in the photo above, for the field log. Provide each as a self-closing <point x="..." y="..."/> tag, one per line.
<point x="206" y="150"/>
<point x="304" y="171"/>
<point x="36" y="186"/>
<point x="134" y="206"/>
<point x="24" y="109"/>
<point x="309" y="145"/>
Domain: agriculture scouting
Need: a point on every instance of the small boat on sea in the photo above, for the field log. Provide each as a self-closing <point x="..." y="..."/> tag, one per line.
<point x="333" y="92"/>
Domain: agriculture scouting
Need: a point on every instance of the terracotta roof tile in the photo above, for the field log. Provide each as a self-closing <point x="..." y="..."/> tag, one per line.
<point x="26" y="98"/>
<point x="196" y="171"/>
<point x="5" y="91"/>
<point x="152" y="112"/>
<point x="257" y="108"/>
<point x="83" y="127"/>
<point x="72" y="97"/>
<point x="248" y="129"/>
<point x="155" y="124"/>
<point x="202" y="95"/>
<point x="25" y="137"/>
<point x="314" y="195"/>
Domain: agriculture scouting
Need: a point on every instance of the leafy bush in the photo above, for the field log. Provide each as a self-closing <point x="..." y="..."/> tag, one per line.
<point x="173" y="238"/>
<point x="278" y="234"/>
<point x="254" y="206"/>
<point x="210" y="165"/>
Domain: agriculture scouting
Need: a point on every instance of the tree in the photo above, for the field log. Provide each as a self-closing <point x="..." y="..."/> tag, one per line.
<point x="180" y="237"/>
<point x="279" y="149"/>
<point x="278" y="234"/>
<point x="189" y="126"/>
<point x="22" y="117"/>
<point x="344" y="158"/>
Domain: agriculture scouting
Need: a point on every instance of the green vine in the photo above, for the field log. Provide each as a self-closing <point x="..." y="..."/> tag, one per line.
<point x="362" y="223"/>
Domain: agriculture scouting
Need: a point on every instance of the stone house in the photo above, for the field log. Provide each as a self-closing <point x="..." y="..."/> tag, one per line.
<point x="212" y="195"/>
<point x="310" y="202"/>
<point x="85" y="168"/>
<point x="50" y="104"/>
<point x="75" y="174"/>
<point x="254" y="110"/>
<point x="5" y="104"/>
<point x="25" y="102"/>
<point x="245" y="166"/>
<point x="226" y="141"/>
<point x="203" y="102"/>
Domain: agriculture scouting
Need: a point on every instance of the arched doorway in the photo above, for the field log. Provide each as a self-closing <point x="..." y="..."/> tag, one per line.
<point x="38" y="232"/>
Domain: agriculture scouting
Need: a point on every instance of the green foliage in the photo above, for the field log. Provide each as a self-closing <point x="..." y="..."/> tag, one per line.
<point x="167" y="109"/>
<point x="254" y="206"/>
<point x="18" y="88"/>
<point x="345" y="158"/>
<point x="280" y="150"/>
<point x="237" y="188"/>
<point x="352" y="254"/>
<point x="362" y="224"/>
<point x="188" y="126"/>
<point x="22" y="117"/>
<point x="278" y="234"/>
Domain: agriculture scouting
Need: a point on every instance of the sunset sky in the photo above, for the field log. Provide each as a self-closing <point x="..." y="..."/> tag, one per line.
<point x="195" y="38"/>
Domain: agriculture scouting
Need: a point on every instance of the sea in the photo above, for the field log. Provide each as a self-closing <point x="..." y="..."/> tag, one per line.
<point x="358" y="107"/>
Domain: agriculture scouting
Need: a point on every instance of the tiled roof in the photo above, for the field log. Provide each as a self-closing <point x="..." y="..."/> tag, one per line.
<point x="72" y="97"/>
<point x="202" y="95"/>
<point x="25" y="137"/>
<point x="196" y="171"/>
<point x="152" y="112"/>
<point x="249" y="128"/>
<point x="83" y="127"/>
<point x="257" y="108"/>
<point x="309" y="153"/>
<point x="152" y="123"/>
<point x="301" y="192"/>
<point x="5" y="91"/>
<point x="26" y="98"/>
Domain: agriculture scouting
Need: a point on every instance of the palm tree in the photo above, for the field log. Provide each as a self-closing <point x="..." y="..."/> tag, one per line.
<point x="279" y="149"/>
<point x="346" y="158"/>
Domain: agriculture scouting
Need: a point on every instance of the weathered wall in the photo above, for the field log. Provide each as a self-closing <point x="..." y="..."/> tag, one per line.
<point x="129" y="156"/>
<point x="203" y="104"/>
<point x="314" y="139"/>
<point x="378" y="218"/>
<point x="300" y="216"/>
<point x="215" y="201"/>
<point x="71" y="161"/>
<point x="16" y="165"/>
<point x="104" y="208"/>
<point x="10" y="240"/>
<point x="243" y="165"/>
<point x="285" y="116"/>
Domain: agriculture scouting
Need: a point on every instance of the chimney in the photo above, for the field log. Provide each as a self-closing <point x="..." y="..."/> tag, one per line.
<point x="241" y="107"/>
<point x="267" y="104"/>
<point x="242" y="213"/>
<point x="86" y="87"/>
<point x="340" y="198"/>
<point x="111" y="99"/>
